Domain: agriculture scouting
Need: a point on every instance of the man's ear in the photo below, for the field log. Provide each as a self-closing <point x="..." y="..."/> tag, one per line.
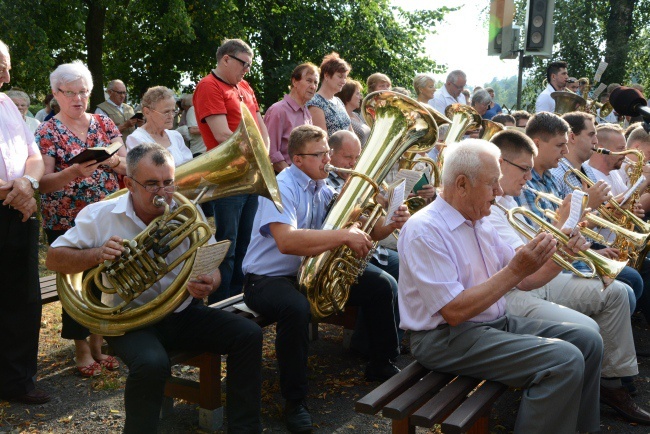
<point x="462" y="184"/>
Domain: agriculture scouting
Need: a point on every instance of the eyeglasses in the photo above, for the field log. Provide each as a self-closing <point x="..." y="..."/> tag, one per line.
<point x="245" y="64"/>
<point x="119" y="92"/>
<point x="168" y="113"/>
<point x="457" y="86"/>
<point x="168" y="187"/>
<point x="523" y="169"/>
<point x="317" y="154"/>
<point x="70" y="94"/>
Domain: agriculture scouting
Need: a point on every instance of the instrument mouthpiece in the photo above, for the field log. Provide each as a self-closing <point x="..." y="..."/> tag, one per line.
<point x="602" y="150"/>
<point x="328" y="168"/>
<point x="159" y="201"/>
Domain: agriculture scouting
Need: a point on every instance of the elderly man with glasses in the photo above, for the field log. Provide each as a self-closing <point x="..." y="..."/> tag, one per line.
<point x="217" y="108"/>
<point x="120" y="112"/>
<point x="451" y="92"/>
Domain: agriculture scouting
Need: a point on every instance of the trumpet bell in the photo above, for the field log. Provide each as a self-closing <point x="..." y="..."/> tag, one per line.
<point x="566" y="102"/>
<point x="240" y="165"/>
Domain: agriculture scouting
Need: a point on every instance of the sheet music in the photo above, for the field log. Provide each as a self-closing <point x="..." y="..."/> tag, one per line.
<point x="208" y="258"/>
<point x="395" y="195"/>
<point x="599" y="72"/>
<point x="631" y="190"/>
<point x="411" y="177"/>
<point x="579" y="201"/>
<point x="601" y="87"/>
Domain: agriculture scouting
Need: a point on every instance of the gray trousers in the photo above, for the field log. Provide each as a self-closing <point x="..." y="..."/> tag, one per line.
<point x="608" y="309"/>
<point x="558" y="365"/>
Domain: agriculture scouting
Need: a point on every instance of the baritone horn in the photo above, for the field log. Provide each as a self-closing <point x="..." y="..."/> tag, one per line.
<point x="240" y="165"/>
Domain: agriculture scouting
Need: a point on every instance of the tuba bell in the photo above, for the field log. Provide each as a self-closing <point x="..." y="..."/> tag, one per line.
<point x="399" y="123"/>
<point x="566" y="102"/>
<point x="240" y="165"/>
<point x="489" y="129"/>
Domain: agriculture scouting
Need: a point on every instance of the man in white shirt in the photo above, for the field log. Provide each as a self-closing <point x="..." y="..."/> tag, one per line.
<point x="556" y="78"/>
<point x="98" y="235"/>
<point x="608" y="310"/>
<point x="454" y="272"/>
<point x="451" y="92"/>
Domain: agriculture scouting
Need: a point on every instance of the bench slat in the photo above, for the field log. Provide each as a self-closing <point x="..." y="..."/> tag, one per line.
<point x="414" y="397"/>
<point x="473" y="408"/>
<point x="444" y="402"/>
<point x="375" y="400"/>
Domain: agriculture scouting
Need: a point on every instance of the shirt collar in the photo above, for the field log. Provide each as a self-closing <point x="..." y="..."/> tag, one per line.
<point x="293" y="104"/>
<point x="110" y="101"/>
<point x="451" y="216"/>
<point x="303" y="180"/>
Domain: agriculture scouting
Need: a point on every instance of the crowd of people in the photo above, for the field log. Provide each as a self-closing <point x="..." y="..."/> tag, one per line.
<point x="475" y="297"/>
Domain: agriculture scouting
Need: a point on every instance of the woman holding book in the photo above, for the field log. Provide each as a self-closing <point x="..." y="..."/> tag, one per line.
<point x="159" y="109"/>
<point x="67" y="188"/>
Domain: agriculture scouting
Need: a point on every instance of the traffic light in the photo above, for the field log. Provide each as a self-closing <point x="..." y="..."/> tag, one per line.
<point x="501" y="33"/>
<point x="539" y="28"/>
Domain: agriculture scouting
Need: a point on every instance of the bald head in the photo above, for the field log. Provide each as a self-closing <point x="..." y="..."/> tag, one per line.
<point x="346" y="148"/>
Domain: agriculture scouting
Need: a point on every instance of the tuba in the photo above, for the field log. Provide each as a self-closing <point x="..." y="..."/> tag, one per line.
<point x="399" y="124"/>
<point x="463" y="118"/>
<point x="240" y="165"/>
<point x="566" y="102"/>
<point x="489" y="129"/>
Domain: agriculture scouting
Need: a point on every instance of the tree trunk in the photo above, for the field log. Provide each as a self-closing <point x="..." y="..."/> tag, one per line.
<point x="95" y="43"/>
<point x="618" y="30"/>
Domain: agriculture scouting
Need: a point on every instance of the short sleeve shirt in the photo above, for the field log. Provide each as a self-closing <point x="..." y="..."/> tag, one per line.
<point x="336" y="117"/>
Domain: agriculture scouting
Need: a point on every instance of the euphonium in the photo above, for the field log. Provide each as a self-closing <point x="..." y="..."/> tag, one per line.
<point x="490" y="129"/>
<point x="240" y="165"/>
<point x="399" y="123"/>
<point x="566" y="102"/>
<point x="141" y="265"/>
<point x="606" y="269"/>
<point x="463" y="118"/>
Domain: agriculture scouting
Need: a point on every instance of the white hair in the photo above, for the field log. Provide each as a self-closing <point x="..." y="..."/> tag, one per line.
<point x="464" y="158"/>
<point x="18" y="94"/>
<point x="421" y="80"/>
<point x="4" y="50"/>
<point x="69" y="72"/>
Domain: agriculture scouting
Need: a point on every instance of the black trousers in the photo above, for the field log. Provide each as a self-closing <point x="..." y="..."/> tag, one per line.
<point x="70" y="329"/>
<point x="20" y="303"/>
<point x="197" y="327"/>
<point x="278" y="299"/>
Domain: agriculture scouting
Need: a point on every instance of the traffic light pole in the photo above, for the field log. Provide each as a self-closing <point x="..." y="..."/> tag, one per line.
<point x="520" y="78"/>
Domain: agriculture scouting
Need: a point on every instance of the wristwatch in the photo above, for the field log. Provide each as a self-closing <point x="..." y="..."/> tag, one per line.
<point x="32" y="181"/>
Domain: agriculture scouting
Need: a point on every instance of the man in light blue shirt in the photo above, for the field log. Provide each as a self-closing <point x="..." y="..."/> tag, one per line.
<point x="278" y="243"/>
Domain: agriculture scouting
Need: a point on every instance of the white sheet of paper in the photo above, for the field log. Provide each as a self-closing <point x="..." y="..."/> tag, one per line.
<point x="396" y="199"/>
<point x="601" y="87"/>
<point x="577" y="209"/>
<point x="208" y="258"/>
<point x="244" y="308"/>
<point x="599" y="72"/>
<point x="631" y="190"/>
<point x="411" y="177"/>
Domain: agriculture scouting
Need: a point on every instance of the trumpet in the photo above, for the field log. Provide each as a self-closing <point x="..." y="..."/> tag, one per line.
<point x="630" y="243"/>
<point x="606" y="269"/>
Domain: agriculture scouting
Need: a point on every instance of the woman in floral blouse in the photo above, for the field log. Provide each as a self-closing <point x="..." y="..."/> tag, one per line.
<point x="66" y="189"/>
<point x="328" y="111"/>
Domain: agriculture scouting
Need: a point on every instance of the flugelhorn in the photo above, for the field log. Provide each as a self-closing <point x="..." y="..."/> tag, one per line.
<point x="240" y="165"/>
<point x="606" y="269"/>
<point x="399" y="123"/>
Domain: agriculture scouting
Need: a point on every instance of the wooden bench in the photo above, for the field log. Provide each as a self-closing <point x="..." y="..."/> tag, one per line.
<point x="418" y="397"/>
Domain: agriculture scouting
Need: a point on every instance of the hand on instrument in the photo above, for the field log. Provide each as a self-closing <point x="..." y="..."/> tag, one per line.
<point x="598" y="193"/>
<point x="84" y="170"/>
<point x="357" y="240"/>
<point x="638" y="210"/>
<point x="110" y="251"/>
<point x="609" y="253"/>
<point x="400" y="217"/>
<point x="577" y="243"/>
<point x="563" y="211"/>
<point x="204" y="284"/>
<point x="533" y="255"/>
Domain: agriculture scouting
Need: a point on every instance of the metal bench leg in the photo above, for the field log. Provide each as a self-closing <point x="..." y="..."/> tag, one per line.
<point x="313" y="331"/>
<point x="481" y="426"/>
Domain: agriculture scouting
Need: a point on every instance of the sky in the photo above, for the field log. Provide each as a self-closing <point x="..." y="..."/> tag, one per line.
<point x="461" y="41"/>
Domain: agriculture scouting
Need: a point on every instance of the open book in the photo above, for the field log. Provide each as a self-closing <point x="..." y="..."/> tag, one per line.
<point x="99" y="154"/>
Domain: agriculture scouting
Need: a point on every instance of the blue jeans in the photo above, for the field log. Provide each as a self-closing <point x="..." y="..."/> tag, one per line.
<point x="634" y="280"/>
<point x="233" y="217"/>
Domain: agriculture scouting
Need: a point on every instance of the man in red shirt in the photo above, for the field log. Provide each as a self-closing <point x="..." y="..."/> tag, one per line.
<point x="216" y="104"/>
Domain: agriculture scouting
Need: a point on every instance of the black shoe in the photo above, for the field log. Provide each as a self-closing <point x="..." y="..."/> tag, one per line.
<point x="380" y="371"/>
<point x="297" y="417"/>
<point x="619" y="399"/>
<point x="36" y="396"/>
<point x="628" y="384"/>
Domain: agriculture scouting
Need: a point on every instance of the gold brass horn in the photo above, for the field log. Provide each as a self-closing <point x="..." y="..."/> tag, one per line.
<point x="398" y="123"/>
<point x="566" y="102"/>
<point x="606" y="269"/>
<point x="463" y="118"/>
<point x="489" y="129"/>
<point x="240" y="165"/>
<point x="142" y="265"/>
